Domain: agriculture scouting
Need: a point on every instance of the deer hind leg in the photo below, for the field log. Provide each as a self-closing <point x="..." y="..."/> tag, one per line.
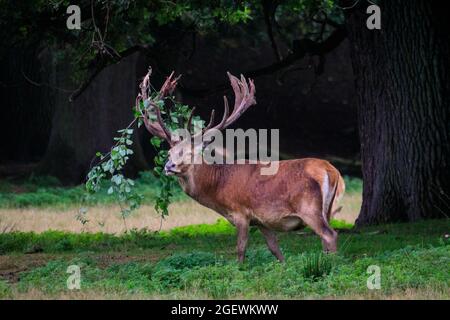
<point x="318" y="214"/>
<point x="321" y="227"/>
<point x="272" y="242"/>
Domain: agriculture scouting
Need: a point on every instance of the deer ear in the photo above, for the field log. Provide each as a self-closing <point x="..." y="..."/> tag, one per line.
<point x="205" y="144"/>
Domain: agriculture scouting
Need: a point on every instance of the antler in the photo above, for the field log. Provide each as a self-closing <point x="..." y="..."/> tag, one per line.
<point x="157" y="127"/>
<point x="244" y="97"/>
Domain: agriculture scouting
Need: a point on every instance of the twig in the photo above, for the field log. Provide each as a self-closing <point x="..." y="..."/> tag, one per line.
<point x="268" y="13"/>
<point x="43" y="84"/>
<point x="304" y="47"/>
<point x="115" y="145"/>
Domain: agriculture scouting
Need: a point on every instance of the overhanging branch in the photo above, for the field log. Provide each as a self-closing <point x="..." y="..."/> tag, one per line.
<point x="301" y="48"/>
<point x="103" y="64"/>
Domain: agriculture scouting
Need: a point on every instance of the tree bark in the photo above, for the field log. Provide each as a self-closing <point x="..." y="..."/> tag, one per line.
<point x="402" y="75"/>
<point x="89" y="123"/>
<point x="24" y="104"/>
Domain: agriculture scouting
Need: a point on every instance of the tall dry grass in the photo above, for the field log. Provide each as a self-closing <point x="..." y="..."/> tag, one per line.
<point x="108" y="219"/>
<point x="6" y="226"/>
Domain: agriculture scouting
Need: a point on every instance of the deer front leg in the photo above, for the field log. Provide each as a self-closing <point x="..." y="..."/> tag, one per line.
<point x="272" y="242"/>
<point x="242" y="238"/>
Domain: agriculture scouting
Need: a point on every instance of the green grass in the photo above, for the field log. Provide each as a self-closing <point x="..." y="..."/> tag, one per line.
<point x="353" y="184"/>
<point x="199" y="261"/>
<point x="44" y="192"/>
<point x="60" y="241"/>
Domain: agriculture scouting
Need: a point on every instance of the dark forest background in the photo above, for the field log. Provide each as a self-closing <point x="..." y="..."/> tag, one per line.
<point x="373" y="102"/>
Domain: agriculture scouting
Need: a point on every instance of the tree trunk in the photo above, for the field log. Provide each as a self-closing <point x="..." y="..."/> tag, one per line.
<point x="402" y="75"/>
<point x="24" y="104"/>
<point x="89" y="123"/>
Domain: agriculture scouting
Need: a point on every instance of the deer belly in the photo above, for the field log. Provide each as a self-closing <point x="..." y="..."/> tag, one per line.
<point x="287" y="224"/>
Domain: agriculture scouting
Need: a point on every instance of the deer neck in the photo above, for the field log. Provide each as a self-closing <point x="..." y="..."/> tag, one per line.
<point x="202" y="182"/>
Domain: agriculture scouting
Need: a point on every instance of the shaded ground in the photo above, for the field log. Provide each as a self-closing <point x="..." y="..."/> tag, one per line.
<point x="11" y="266"/>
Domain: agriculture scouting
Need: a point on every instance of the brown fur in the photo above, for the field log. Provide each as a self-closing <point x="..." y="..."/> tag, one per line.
<point x="288" y="200"/>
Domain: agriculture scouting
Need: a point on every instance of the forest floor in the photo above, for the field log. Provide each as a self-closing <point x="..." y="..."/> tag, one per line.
<point x="192" y="254"/>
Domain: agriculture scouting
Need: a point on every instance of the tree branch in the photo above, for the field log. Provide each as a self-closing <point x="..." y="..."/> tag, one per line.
<point x="301" y="48"/>
<point x="269" y="9"/>
<point x="103" y="64"/>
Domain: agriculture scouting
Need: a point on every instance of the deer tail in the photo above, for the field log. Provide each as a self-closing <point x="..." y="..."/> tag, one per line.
<point x="329" y="192"/>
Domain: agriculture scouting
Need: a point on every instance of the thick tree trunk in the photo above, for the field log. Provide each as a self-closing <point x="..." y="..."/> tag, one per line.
<point x="89" y="123"/>
<point x="403" y="94"/>
<point x="24" y="104"/>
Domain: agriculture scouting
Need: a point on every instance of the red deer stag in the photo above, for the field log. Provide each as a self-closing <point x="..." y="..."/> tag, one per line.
<point x="302" y="192"/>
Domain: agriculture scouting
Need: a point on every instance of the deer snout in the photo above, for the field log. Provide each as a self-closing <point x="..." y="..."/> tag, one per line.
<point x="169" y="168"/>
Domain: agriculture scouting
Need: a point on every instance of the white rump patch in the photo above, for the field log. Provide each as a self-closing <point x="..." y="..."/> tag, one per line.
<point x="326" y="196"/>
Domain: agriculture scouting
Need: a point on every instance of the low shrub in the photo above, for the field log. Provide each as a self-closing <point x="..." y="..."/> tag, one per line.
<point x="316" y="265"/>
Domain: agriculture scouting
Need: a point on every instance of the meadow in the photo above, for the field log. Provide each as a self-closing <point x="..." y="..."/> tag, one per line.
<point x="191" y="254"/>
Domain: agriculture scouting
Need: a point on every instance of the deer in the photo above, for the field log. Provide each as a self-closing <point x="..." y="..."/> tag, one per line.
<point x="303" y="192"/>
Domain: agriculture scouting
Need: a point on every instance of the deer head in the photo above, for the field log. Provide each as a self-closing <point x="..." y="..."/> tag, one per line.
<point x="185" y="152"/>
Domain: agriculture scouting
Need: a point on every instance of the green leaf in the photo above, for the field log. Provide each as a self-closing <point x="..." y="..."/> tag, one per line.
<point x="174" y="119"/>
<point x="156" y="141"/>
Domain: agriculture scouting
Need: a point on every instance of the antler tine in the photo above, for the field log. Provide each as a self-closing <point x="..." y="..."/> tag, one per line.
<point x="225" y="114"/>
<point x="211" y="121"/>
<point x="189" y="123"/>
<point x="236" y="89"/>
<point x="156" y="128"/>
<point x="208" y="127"/>
<point x="244" y="97"/>
<point x="169" y="85"/>
<point x="161" y="124"/>
<point x="145" y="84"/>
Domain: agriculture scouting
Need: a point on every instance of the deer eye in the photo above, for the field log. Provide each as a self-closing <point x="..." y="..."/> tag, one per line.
<point x="180" y="153"/>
